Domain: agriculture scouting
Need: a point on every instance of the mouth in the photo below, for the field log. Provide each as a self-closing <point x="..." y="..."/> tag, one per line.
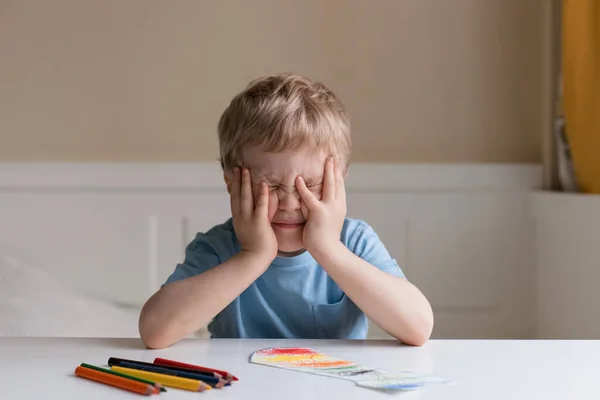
<point x="288" y="225"/>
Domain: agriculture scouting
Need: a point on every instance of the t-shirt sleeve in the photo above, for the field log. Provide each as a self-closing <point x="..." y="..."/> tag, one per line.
<point x="366" y="244"/>
<point x="201" y="255"/>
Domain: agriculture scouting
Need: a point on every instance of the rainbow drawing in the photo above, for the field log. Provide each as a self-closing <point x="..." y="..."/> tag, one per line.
<point x="299" y="358"/>
<point x="311" y="361"/>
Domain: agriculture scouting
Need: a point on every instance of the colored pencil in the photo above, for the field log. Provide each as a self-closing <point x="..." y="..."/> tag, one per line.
<point x="171" y="363"/>
<point x="116" y="361"/>
<point x="207" y="377"/>
<point x="211" y="380"/>
<point x="167" y="380"/>
<point x="158" y="386"/>
<point x="115" y="381"/>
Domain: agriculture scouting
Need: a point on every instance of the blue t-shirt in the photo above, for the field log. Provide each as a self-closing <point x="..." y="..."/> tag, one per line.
<point x="294" y="297"/>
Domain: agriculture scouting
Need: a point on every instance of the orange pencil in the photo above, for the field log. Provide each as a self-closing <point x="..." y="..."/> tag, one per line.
<point x="157" y="386"/>
<point x="114" y="380"/>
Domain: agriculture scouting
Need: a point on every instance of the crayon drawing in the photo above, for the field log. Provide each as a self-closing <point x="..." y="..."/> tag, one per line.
<point x="311" y="361"/>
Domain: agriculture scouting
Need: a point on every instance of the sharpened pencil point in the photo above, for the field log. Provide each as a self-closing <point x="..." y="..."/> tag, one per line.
<point x="203" y="386"/>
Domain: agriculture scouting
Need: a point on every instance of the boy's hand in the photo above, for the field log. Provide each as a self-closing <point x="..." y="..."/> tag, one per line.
<point x="325" y="217"/>
<point x="251" y="223"/>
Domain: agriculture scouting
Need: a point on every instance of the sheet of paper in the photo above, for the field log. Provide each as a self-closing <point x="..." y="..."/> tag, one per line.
<point x="311" y="361"/>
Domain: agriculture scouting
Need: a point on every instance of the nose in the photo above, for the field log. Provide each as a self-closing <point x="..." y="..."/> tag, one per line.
<point x="288" y="200"/>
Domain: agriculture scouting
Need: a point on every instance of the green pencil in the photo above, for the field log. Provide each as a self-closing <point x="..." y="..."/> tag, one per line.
<point x="134" y="378"/>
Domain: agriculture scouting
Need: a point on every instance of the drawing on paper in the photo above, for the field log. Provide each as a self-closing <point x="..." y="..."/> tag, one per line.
<point x="311" y="361"/>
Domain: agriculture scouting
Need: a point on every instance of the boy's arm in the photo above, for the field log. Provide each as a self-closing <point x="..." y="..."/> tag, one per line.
<point x="181" y="308"/>
<point x="392" y="302"/>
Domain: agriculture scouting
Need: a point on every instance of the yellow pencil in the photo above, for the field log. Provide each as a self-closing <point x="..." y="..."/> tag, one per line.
<point x="167" y="380"/>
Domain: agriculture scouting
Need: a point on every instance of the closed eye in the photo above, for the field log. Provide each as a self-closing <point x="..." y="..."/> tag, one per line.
<point x="257" y="184"/>
<point x="314" y="187"/>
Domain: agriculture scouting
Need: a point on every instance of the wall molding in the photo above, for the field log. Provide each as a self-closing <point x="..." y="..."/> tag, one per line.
<point x="130" y="223"/>
<point x="208" y="176"/>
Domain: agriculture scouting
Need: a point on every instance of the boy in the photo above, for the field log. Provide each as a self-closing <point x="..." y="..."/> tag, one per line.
<point x="289" y="263"/>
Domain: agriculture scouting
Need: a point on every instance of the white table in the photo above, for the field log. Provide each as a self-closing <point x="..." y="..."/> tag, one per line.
<point x="42" y="368"/>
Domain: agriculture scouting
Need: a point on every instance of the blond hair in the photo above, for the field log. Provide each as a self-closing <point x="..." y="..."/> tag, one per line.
<point x="284" y="112"/>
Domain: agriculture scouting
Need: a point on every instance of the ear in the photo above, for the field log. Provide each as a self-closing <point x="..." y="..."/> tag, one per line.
<point x="228" y="181"/>
<point x="345" y="166"/>
<point x="345" y="174"/>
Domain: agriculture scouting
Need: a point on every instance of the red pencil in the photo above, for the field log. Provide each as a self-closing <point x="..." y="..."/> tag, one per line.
<point x="162" y="361"/>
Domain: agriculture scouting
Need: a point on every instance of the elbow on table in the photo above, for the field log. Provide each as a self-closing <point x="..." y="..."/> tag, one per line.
<point x="419" y="333"/>
<point x="416" y="339"/>
<point x="154" y="335"/>
<point x="158" y="339"/>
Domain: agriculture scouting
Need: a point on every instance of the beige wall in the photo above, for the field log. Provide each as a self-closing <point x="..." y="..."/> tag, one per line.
<point x="424" y="80"/>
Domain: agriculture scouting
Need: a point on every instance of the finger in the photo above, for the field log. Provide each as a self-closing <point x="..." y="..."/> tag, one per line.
<point x="307" y="196"/>
<point x="234" y="196"/>
<point x="304" y="210"/>
<point x="262" y="204"/>
<point x="340" y="186"/>
<point x="247" y="202"/>
<point x="328" y="181"/>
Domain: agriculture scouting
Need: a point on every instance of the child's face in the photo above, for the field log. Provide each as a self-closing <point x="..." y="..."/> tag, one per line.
<point x="287" y="212"/>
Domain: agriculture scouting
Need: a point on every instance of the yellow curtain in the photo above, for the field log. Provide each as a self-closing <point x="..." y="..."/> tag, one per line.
<point x="581" y="88"/>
